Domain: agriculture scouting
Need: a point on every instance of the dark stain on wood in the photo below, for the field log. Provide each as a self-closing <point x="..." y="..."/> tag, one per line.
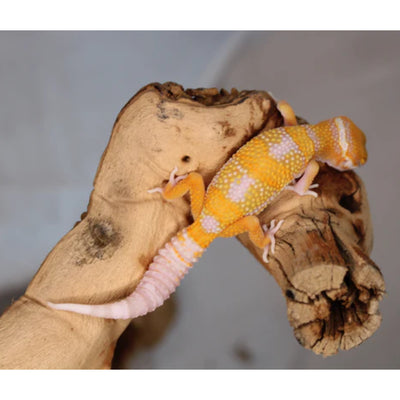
<point x="227" y="130"/>
<point x="98" y="241"/>
<point x="120" y="189"/>
<point x="81" y="261"/>
<point x="161" y="113"/>
<point x="164" y="113"/>
<point x="102" y="233"/>
<point x="186" y="159"/>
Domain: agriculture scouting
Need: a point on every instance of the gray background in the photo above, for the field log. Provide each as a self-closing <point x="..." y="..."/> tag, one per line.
<point x="59" y="95"/>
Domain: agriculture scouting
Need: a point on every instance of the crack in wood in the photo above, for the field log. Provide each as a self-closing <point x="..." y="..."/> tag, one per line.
<point x="289" y="245"/>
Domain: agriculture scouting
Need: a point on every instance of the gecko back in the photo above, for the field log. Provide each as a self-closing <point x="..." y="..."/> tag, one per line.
<point x="255" y="174"/>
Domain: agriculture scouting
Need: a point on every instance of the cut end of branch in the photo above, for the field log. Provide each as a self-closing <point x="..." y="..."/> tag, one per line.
<point x="342" y="313"/>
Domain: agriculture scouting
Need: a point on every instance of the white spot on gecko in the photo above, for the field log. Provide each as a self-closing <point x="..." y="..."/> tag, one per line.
<point x="313" y="136"/>
<point x="280" y="150"/>
<point x="343" y="143"/>
<point x="239" y="188"/>
<point x="210" y="224"/>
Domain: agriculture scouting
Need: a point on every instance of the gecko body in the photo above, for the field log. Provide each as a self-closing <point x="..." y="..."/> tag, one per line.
<point x="242" y="188"/>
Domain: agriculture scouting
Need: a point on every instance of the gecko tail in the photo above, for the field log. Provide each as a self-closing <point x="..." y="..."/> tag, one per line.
<point x="161" y="279"/>
<point x="100" y="310"/>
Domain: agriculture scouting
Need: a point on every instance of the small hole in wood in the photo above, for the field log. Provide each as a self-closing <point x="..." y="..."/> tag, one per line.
<point x="186" y="159"/>
<point x="289" y="294"/>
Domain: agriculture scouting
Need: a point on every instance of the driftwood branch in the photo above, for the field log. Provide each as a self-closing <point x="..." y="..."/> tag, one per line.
<point x="321" y="263"/>
<point x="105" y="255"/>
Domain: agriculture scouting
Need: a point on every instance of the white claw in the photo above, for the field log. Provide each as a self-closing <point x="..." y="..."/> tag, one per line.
<point x="179" y="178"/>
<point x="294" y="188"/>
<point x="172" y="175"/>
<point x="310" y="193"/>
<point x="155" y="190"/>
<point x="265" y="254"/>
<point x="172" y="180"/>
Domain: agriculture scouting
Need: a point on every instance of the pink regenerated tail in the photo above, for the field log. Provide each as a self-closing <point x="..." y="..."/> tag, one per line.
<point x="161" y="279"/>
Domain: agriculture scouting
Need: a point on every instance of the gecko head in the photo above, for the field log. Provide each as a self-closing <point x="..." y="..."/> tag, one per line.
<point x="346" y="144"/>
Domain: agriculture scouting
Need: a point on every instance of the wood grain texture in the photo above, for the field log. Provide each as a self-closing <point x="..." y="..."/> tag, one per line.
<point x="105" y="255"/>
<point x="332" y="288"/>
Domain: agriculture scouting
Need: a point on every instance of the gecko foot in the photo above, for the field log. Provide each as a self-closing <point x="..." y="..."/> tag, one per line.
<point x="270" y="233"/>
<point x="173" y="180"/>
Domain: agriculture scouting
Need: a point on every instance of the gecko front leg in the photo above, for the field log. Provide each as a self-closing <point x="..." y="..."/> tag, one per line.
<point x="304" y="184"/>
<point x="178" y="186"/>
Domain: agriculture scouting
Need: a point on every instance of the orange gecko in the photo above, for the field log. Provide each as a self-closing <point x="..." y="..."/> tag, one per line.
<point x="267" y="164"/>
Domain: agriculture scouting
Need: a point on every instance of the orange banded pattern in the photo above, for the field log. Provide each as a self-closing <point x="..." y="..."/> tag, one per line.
<point x="255" y="174"/>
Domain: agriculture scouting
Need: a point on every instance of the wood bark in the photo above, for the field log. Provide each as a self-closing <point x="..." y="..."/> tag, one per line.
<point x="331" y="286"/>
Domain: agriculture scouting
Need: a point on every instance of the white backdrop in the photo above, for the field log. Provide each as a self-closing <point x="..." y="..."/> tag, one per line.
<point x="60" y="94"/>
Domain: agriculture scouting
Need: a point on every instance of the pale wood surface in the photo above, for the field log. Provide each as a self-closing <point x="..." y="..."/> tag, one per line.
<point x="105" y="255"/>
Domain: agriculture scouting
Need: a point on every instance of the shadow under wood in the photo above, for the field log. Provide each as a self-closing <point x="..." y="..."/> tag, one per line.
<point x="8" y="296"/>
<point x="143" y="332"/>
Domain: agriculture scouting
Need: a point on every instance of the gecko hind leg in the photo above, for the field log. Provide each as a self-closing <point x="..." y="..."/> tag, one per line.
<point x="289" y="117"/>
<point x="261" y="236"/>
<point x="178" y="186"/>
<point x="304" y="184"/>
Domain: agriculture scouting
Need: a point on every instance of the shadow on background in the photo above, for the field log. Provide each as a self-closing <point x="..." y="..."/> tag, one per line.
<point x="8" y="296"/>
<point x="144" y="333"/>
